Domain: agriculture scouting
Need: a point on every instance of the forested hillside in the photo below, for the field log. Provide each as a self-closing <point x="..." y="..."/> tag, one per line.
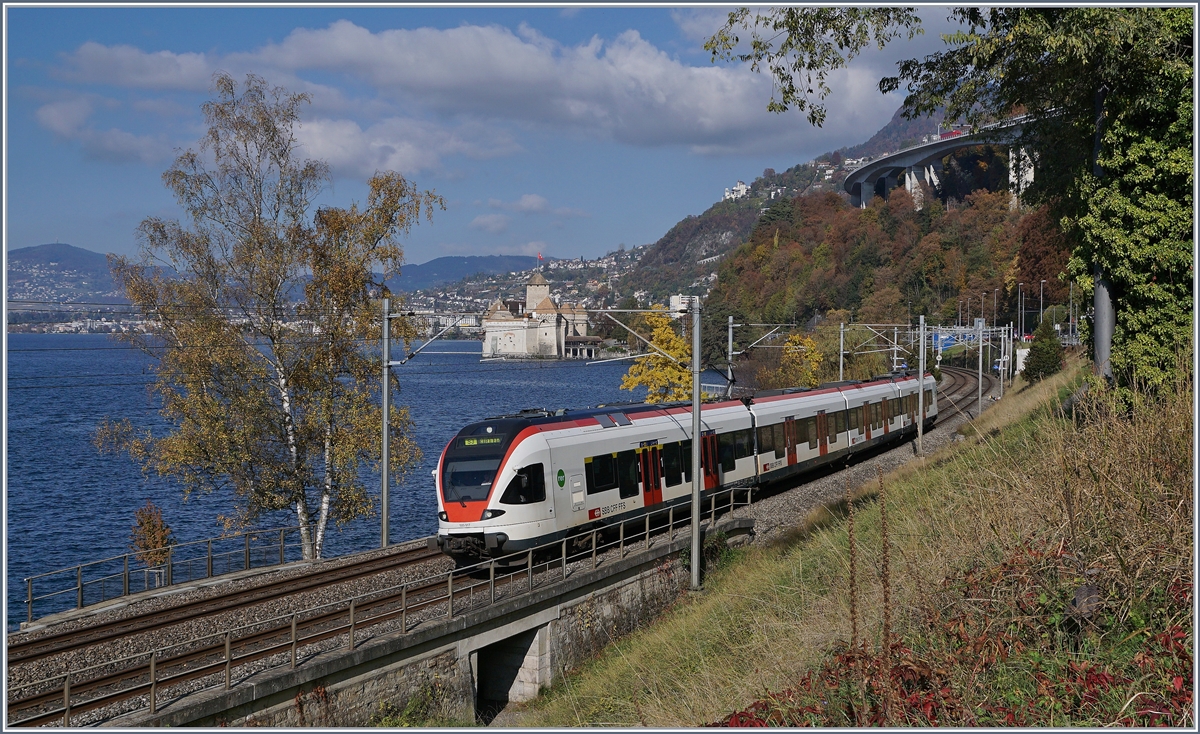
<point x="817" y="254"/>
<point x="672" y="265"/>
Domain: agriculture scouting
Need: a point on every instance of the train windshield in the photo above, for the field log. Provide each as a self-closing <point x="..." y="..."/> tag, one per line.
<point x="473" y="458"/>
<point x="465" y="481"/>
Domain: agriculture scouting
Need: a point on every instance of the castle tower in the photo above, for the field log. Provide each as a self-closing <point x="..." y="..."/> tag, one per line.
<point x="536" y="291"/>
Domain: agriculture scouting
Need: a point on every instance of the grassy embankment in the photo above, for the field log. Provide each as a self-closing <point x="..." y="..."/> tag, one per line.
<point x="1039" y="573"/>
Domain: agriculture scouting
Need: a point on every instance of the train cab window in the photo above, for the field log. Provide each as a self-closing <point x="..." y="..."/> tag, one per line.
<point x="672" y="467"/>
<point x="527" y="487"/>
<point x="743" y="443"/>
<point x="600" y="473"/>
<point x="685" y="458"/>
<point x="781" y="447"/>
<point x="813" y="438"/>
<point x="628" y="473"/>
<point x="766" y="440"/>
<point x="725" y="451"/>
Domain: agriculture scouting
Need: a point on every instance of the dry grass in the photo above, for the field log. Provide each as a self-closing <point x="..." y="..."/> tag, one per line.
<point x="1113" y="493"/>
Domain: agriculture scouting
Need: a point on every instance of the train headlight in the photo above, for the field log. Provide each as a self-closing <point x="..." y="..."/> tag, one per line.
<point x="489" y="514"/>
<point x="443" y="517"/>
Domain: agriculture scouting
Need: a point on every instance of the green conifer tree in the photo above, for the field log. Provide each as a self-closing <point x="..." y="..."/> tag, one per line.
<point x="1045" y="354"/>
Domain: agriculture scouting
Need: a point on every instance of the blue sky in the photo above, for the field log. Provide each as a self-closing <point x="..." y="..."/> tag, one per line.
<point x="566" y="131"/>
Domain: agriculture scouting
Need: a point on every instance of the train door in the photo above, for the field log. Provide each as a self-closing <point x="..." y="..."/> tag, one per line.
<point x="711" y="464"/>
<point x="651" y="461"/>
<point x="789" y="436"/>
<point x="886" y="416"/>
<point x="823" y="432"/>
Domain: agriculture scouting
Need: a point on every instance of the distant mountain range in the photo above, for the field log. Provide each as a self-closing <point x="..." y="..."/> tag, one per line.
<point x="453" y="269"/>
<point x="64" y="273"/>
<point x="60" y="272"/>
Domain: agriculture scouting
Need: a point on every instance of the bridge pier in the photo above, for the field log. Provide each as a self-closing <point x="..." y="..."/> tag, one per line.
<point x="914" y="176"/>
<point x="1020" y="174"/>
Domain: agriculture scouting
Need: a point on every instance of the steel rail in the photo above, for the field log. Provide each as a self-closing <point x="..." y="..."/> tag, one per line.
<point x="45" y="646"/>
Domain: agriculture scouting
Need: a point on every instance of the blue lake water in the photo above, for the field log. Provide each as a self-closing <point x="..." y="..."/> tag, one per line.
<point x="66" y="503"/>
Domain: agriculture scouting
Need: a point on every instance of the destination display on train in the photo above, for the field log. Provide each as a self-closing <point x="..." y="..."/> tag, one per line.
<point x="481" y="441"/>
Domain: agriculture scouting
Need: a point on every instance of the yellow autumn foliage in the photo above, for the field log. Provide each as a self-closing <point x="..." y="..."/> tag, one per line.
<point x="664" y="380"/>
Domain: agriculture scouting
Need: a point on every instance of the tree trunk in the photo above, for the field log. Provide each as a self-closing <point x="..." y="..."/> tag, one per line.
<point x="1103" y="315"/>
<point x="303" y="519"/>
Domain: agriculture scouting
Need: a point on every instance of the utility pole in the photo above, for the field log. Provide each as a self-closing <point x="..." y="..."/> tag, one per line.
<point x="995" y="295"/>
<point x="979" y="379"/>
<point x="1041" y="300"/>
<point x="921" y="392"/>
<point x="729" y="367"/>
<point x="1005" y="336"/>
<point x="387" y="407"/>
<point x="895" y="347"/>
<point x="697" y="477"/>
<point x="1021" y="311"/>
<point x="841" y="349"/>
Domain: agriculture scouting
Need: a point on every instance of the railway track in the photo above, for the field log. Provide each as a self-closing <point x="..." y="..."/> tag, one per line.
<point x="44" y="646"/>
<point x="154" y="671"/>
<point x="148" y="674"/>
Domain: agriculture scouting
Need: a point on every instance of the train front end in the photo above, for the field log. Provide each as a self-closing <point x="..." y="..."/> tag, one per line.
<point x="491" y="490"/>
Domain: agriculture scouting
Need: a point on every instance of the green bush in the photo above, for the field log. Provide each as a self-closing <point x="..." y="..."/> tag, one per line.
<point x="1045" y="355"/>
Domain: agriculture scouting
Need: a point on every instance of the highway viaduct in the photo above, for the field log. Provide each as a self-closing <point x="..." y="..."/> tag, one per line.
<point x="923" y="164"/>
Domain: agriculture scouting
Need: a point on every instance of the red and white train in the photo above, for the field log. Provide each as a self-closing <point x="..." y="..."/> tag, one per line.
<point x="510" y="483"/>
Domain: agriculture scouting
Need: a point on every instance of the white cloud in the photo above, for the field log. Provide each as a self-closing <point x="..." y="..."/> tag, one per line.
<point x="422" y="94"/>
<point x="68" y="118"/>
<point x="494" y="223"/>
<point x="624" y="89"/>
<point x="127" y="66"/>
<point x="399" y="144"/>
<point x="535" y="204"/>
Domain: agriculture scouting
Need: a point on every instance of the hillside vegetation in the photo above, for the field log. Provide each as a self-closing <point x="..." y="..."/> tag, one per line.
<point x="671" y="265"/>
<point x="885" y="262"/>
<point x="1039" y="574"/>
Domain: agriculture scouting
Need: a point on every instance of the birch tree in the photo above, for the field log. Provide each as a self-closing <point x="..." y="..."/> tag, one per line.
<point x="264" y="314"/>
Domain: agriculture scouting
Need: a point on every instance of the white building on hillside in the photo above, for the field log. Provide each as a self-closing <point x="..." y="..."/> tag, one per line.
<point x="737" y="192"/>
<point x="537" y="327"/>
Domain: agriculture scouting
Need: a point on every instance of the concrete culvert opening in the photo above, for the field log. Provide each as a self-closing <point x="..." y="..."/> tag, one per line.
<point x="509" y="671"/>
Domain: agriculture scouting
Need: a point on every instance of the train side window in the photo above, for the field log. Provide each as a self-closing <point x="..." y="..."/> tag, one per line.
<point x="841" y="421"/>
<point x="685" y="457"/>
<point x="601" y="473"/>
<point x="627" y="473"/>
<point x="812" y="433"/>
<point x="928" y="399"/>
<point x="671" y="466"/>
<point x="726" y="451"/>
<point x="781" y="447"/>
<point x="852" y="419"/>
<point x="766" y="440"/>
<point x="743" y="443"/>
<point x="527" y="487"/>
